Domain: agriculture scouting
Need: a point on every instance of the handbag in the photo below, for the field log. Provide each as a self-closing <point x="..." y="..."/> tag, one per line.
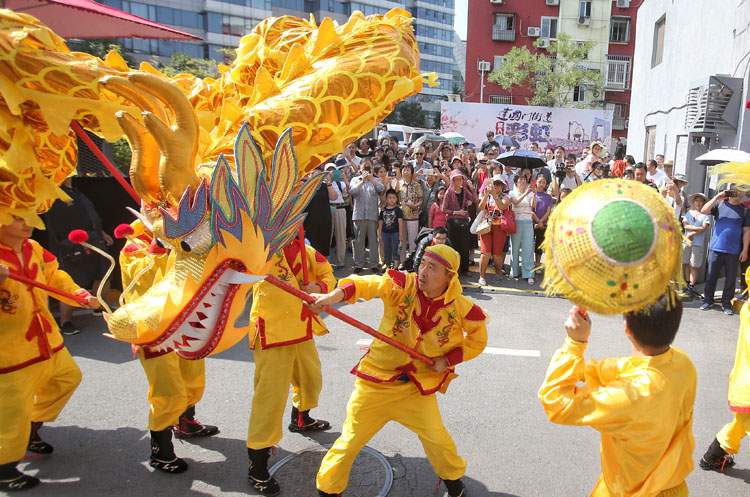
<point x="481" y="225"/>
<point x="508" y="221"/>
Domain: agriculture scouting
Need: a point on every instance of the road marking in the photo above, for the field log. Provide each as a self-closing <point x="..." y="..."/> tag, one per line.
<point x="487" y="350"/>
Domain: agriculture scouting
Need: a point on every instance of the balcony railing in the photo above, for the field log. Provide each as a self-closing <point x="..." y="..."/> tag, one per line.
<point x="501" y="34"/>
<point x="619" y="123"/>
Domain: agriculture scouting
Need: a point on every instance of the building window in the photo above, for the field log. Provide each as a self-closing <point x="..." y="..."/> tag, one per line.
<point x="658" y="52"/>
<point x="650" y="143"/>
<point x="619" y="116"/>
<point x="618" y="72"/>
<point x="584" y="8"/>
<point x="497" y="62"/>
<point x="619" y="31"/>
<point x="504" y="21"/>
<point x="579" y="94"/>
<point x="549" y="27"/>
<point x="501" y="99"/>
<point x="504" y="28"/>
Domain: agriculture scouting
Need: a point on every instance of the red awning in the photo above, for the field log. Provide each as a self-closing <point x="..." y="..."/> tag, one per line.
<point x="86" y="19"/>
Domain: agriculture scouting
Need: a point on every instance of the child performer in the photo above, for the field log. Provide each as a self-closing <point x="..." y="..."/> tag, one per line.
<point x="719" y="454"/>
<point x="427" y="312"/>
<point x="642" y="405"/>
<point x="37" y="373"/>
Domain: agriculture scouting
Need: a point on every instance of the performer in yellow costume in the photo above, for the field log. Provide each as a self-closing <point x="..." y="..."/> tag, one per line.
<point x="719" y="454"/>
<point x="175" y="384"/>
<point x="642" y="405"/>
<point x="425" y="311"/>
<point x="281" y="336"/>
<point x="37" y="373"/>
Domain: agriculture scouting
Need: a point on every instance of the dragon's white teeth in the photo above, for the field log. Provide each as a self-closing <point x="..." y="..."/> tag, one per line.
<point x="233" y="277"/>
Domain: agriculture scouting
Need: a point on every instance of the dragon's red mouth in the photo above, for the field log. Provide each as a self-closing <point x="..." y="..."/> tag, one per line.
<point x="198" y="328"/>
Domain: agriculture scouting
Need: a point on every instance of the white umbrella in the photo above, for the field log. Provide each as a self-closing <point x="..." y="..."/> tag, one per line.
<point x="724" y="155"/>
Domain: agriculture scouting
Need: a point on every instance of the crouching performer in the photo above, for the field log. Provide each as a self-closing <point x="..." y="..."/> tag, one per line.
<point x="427" y="312"/>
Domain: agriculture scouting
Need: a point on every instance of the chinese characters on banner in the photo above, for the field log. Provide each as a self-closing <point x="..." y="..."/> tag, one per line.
<point x="574" y="129"/>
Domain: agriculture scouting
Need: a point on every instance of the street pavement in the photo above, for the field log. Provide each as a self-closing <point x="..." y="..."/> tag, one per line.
<point x="492" y="411"/>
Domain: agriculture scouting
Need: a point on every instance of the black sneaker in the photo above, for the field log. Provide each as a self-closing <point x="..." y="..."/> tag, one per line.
<point x="69" y="329"/>
<point x="705" y="307"/>
<point x="357" y="269"/>
<point x="376" y="270"/>
<point x="728" y="310"/>
<point x="455" y="488"/>
<point x="716" y="458"/>
<point x="19" y="483"/>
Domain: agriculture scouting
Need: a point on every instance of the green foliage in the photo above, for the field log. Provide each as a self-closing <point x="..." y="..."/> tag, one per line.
<point x="407" y="114"/>
<point x="180" y="63"/>
<point x="98" y="48"/>
<point x="121" y="154"/>
<point x="552" y="77"/>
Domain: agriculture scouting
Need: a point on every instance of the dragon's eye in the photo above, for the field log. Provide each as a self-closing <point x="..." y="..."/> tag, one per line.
<point x="199" y="241"/>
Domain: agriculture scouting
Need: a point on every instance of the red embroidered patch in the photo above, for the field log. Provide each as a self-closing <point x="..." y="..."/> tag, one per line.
<point x="48" y="256"/>
<point x="398" y="277"/>
<point x="475" y="314"/>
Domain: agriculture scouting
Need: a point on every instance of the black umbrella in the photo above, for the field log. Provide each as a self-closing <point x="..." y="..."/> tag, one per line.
<point x="522" y="159"/>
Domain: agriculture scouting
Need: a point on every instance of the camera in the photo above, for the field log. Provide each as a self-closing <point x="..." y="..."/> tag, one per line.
<point x="560" y="171"/>
<point x="730" y="193"/>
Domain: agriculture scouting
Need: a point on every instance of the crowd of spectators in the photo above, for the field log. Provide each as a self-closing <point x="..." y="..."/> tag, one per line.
<point x="387" y="201"/>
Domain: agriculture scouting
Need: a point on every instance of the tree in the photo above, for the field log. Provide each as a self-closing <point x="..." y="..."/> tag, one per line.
<point x="408" y="114"/>
<point x="552" y="77"/>
<point x="180" y="63"/>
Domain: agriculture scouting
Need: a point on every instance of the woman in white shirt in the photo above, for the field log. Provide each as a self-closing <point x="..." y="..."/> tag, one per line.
<point x="522" y="241"/>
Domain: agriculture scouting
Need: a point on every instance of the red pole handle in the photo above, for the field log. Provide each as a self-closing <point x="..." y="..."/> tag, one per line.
<point x="350" y="320"/>
<point x="105" y="161"/>
<point x="303" y="255"/>
<point x="50" y="289"/>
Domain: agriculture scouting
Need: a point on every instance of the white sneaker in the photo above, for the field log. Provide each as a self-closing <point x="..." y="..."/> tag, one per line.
<point x="531" y="281"/>
<point x="482" y="281"/>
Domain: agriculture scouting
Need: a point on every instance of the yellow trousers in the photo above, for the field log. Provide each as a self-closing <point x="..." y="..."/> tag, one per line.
<point x="275" y="369"/>
<point x="680" y="490"/>
<point x="730" y="437"/>
<point x="37" y="392"/>
<point x="174" y="384"/>
<point x="370" y="407"/>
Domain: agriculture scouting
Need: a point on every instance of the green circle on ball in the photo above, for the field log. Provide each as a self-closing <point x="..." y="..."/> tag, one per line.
<point x="624" y="231"/>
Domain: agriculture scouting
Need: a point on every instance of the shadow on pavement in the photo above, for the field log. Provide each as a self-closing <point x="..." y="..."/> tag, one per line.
<point x="740" y="474"/>
<point x="90" y="462"/>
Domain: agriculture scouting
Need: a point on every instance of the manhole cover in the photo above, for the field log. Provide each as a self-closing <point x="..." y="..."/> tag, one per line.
<point x="372" y="475"/>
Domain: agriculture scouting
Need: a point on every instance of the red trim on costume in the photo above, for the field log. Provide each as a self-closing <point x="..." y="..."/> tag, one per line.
<point x="261" y="326"/>
<point x="455" y="356"/>
<point x="48" y="256"/>
<point x="475" y="314"/>
<point x="440" y="260"/>
<point x="428" y="308"/>
<point x="740" y="409"/>
<point x="432" y="390"/>
<point x="398" y="277"/>
<point x="323" y="286"/>
<point x="130" y="249"/>
<point x="349" y="290"/>
<point x="31" y="361"/>
<point x="320" y="257"/>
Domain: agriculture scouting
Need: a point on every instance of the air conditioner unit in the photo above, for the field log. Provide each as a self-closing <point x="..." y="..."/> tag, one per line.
<point x="543" y="43"/>
<point x="532" y="31"/>
<point x="553" y="2"/>
<point x="483" y="66"/>
<point x="623" y="4"/>
<point x="584" y="21"/>
<point x="496" y="2"/>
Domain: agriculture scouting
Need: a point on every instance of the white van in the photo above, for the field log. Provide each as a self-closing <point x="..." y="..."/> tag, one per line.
<point x="403" y="134"/>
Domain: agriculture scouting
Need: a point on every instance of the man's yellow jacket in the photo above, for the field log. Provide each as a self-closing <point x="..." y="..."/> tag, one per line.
<point x="28" y="332"/>
<point x="277" y="318"/>
<point x="739" y="379"/>
<point x="451" y="326"/>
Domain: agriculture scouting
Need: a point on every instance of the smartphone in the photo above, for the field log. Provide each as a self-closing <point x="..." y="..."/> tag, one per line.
<point x="428" y="171"/>
<point x="730" y="193"/>
<point x="392" y="174"/>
